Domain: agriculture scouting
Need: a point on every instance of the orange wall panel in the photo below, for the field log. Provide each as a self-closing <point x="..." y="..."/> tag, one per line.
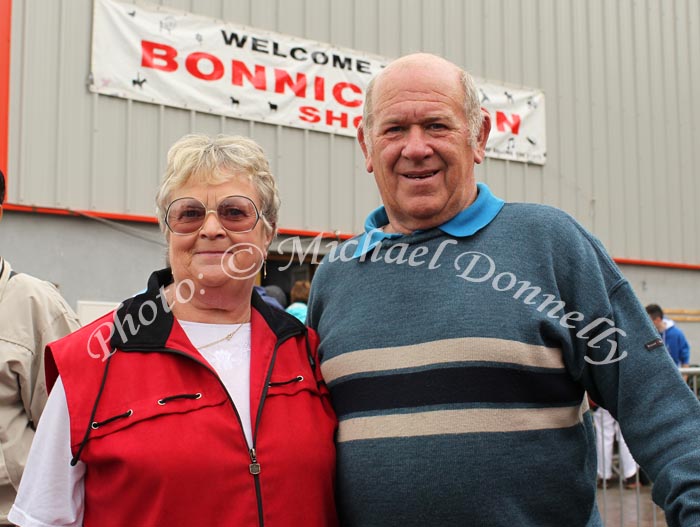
<point x="5" y="39"/>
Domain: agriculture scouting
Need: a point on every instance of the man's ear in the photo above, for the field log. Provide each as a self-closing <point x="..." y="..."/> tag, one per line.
<point x="480" y="149"/>
<point x="363" y="145"/>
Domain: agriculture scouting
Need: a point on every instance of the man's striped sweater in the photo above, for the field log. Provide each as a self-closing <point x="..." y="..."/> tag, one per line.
<point x="458" y="367"/>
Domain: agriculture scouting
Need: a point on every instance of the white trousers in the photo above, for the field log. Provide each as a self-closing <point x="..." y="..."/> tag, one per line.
<point x="607" y="429"/>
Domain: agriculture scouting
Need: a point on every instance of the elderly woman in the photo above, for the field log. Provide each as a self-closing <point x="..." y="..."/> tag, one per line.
<point x="195" y="403"/>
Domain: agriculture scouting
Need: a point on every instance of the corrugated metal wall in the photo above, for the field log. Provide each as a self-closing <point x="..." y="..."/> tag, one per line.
<point x="623" y="119"/>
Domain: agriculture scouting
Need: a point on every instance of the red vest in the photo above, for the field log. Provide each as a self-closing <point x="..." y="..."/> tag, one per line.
<point x="158" y="453"/>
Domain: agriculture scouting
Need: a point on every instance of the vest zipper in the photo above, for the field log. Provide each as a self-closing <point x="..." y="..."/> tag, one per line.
<point x="254" y="467"/>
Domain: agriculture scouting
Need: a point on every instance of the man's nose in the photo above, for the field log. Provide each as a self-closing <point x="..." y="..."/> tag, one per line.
<point x="417" y="145"/>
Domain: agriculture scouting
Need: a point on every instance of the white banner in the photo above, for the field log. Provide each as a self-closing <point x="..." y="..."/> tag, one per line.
<point x="517" y="123"/>
<point x="157" y="55"/>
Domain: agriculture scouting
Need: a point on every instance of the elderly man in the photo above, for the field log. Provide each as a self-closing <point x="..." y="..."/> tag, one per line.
<point x="459" y="335"/>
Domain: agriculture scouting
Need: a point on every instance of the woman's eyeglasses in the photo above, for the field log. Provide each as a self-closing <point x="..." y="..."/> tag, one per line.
<point x="236" y="214"/>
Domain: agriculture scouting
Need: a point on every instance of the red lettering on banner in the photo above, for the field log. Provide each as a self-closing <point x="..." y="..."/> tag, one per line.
<point x="282" y="79"/>
<point x="164" y="54"/>
<point x="502" y="120"/>
<point x="309" y="114"/>
<point x="240" y="70"/>
<point x="342" y="117"/>
<point x="208" y="67"/>
<point x="319" y="88"/>
<point x="338" y="94"/>
<point x="192" y="65"/>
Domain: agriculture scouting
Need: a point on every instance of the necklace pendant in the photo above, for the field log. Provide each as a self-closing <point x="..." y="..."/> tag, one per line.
<point x="225" y="338"/>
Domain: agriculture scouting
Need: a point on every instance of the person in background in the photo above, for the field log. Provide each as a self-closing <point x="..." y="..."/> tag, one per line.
<point x="459" y="336"/>
<point x="32" y="314"/>
<point x="195" y="402"/>
<point x="300" y="297"/>
<point x="267" y="297"/>
<point x="607" y="431"/>
<point x="672" y="336"/>
<point x="275" y="292"/>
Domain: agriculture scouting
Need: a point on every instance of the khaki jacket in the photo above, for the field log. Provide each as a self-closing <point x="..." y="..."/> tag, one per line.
<point x="32" y="314"/>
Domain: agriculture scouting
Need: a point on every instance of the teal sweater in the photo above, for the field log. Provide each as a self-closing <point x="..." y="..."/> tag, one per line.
<point x="458" y="368"/>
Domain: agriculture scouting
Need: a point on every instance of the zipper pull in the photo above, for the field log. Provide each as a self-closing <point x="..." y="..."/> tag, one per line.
<point x="254" y="467"/>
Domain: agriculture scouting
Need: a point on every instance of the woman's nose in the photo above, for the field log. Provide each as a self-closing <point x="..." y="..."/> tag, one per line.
<point x="212" y="226"/>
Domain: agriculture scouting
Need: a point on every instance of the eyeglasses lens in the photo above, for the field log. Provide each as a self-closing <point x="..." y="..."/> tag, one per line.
<point x="235" y="213"/>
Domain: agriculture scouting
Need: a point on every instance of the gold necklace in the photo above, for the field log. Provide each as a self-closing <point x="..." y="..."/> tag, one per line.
<point x="224" y="338"/>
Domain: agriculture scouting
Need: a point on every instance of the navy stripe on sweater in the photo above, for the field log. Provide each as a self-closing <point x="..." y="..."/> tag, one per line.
<point x="453" y="385"/>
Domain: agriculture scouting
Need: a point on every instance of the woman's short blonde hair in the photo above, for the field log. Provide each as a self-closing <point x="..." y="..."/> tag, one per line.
<point x="202" y="159"/>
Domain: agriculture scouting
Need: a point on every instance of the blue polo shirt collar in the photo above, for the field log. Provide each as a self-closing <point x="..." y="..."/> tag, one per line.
<point x="469" y="221"/>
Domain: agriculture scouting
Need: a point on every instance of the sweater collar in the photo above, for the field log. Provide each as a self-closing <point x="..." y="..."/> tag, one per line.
<point x="466" y="223"/>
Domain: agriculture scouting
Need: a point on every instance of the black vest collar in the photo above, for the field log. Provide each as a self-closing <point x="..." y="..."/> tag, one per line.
<point x="144" y="322"/>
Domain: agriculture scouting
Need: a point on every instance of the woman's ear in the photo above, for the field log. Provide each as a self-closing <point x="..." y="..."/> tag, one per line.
<point x="269" y="236"/>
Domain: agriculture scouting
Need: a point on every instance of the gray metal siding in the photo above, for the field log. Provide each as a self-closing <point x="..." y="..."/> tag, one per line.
<point x="622" y="119"/>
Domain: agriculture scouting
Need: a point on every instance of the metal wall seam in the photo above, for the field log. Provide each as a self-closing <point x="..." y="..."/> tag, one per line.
<point x="694" y="80"/>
